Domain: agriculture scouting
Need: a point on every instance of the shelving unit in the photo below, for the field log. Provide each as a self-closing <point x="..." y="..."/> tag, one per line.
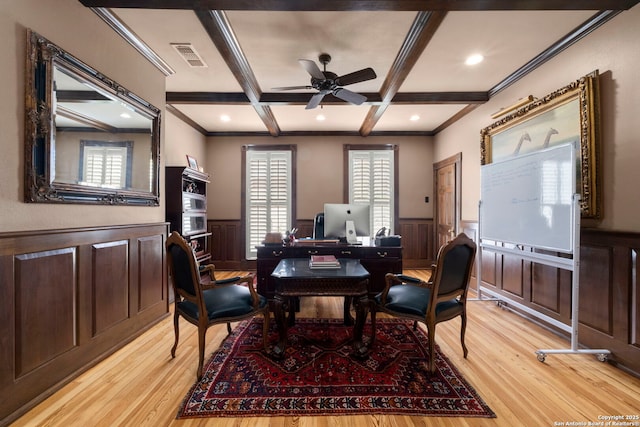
<point x="186" y="207"/>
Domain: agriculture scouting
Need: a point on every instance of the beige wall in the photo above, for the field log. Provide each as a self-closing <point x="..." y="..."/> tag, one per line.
<point x="82" y="33"/>
<point x="613" y="50"/>
<point x="181" y="139"/>
<point x="319" y="173"/>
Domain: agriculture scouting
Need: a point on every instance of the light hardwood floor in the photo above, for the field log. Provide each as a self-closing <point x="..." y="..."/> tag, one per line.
<point x="140" y="385"/>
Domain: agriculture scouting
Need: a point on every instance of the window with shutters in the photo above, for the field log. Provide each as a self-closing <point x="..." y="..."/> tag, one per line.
<point x="372" y="179"/>
<point x="106" y="164"/>
<point x="269" y="194"/>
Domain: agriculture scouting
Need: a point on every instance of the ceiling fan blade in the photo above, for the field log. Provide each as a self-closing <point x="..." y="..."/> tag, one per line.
<point x="312" y="68"/>
<point x="356" y="77"/>
<point x="347" y="95"/>
<point x="292" y="87"/>
<point x="315" y="100"/>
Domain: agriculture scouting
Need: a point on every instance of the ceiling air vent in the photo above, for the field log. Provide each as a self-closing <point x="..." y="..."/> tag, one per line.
<point x="189" y="54"/>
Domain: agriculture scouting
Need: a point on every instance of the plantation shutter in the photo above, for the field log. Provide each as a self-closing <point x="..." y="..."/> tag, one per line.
<point x="371" y="182"/>
<point x="268" y="196"/>
<point x="105" y="166"/>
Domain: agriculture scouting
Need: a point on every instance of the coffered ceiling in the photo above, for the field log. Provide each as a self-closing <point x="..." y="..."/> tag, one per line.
<point x="416" y="48"/>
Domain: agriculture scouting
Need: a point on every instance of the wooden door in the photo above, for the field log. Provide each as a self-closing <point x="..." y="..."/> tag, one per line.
<point x="446" y="181"/>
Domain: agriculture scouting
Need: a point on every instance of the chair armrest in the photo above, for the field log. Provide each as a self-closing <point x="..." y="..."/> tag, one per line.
<point x="390" y="280"/>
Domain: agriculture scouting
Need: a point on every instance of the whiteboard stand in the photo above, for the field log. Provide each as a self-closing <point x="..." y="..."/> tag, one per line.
<point x="601" y="354"/>
<point x="479" y="264"/>
<point x="572" y="265"/>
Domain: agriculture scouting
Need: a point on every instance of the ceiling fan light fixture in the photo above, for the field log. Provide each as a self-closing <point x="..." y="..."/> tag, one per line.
<point x="474" y="59"/>
<point x="327" y="82"/>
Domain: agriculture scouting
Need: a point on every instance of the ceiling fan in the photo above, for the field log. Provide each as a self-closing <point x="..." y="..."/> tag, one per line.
<point x="326" y="82"/>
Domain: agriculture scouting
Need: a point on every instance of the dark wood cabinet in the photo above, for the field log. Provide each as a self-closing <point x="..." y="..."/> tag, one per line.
<point x="378" y="261"/>
<point x="186" y="207"/>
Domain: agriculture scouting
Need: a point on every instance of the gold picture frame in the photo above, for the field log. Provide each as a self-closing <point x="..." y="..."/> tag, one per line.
<point x="569" y="114"/>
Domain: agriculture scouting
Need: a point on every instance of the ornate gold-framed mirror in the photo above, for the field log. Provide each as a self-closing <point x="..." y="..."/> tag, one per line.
<point x="87" y="138"/>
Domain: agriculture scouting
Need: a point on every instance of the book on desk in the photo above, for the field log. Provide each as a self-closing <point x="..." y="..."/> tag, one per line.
<point x="323" y="261"/>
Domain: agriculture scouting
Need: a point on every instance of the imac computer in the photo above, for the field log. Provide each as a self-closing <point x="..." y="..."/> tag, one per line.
<point x="346" y="221"/>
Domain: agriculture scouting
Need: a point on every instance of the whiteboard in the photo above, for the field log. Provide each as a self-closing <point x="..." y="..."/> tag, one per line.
<point x="528" y="199"/>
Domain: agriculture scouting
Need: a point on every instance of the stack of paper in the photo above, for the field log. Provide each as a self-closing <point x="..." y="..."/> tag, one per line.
<point x="323" y="261"/>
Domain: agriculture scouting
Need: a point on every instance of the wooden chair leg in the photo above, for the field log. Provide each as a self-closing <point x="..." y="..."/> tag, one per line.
<point x="176" y="331"/>
<point x="228" y="328"/>
<point x="431" y="331"/>
<point x="201" y="344"/>
<point x="463" y="328"/>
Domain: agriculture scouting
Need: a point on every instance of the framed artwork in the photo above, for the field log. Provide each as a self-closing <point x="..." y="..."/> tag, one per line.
<point x="192" y="162"/>
<point x="570" y="114"/>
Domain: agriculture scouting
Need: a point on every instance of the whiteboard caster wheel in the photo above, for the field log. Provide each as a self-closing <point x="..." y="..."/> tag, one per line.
<point x="602" y="357"/>
<point x="541" y="357"/>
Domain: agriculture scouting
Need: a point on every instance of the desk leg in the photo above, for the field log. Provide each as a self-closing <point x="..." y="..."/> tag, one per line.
<point x="362" y="308"/>
<point x="279" y="313"/>
<point x="348" y="320"/>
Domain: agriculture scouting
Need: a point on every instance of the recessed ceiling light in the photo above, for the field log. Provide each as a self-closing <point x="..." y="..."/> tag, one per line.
<point x="474" y="59"/>
<point x="320" y="117"/>
<point x="125" y="115"/>
<point x="225" y="118"/>
<point x="414" y="118"/>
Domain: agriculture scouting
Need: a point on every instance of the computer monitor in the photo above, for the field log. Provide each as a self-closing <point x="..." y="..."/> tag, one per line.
<point x="346" y="221"/>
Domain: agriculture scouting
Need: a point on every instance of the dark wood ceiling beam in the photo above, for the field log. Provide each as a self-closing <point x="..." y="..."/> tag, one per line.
<point x="440" y="98"/>
<point x="80" y="96"/>
<point x="373" y="5"/>
<point x="214" y="98"/>
<point x="179" y="114"/>
<point x="300" y="98"/>
<point x="85" y="120"/>
<point x="219" y="29"/>
<point x="422" y="30"/>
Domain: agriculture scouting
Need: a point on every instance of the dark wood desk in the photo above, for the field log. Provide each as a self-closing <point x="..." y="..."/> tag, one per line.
<point x="294" y="278"/>
<point x="377" y="260"/>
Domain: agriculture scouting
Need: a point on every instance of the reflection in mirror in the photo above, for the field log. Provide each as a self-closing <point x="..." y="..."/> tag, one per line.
<point x="88" y="139"/>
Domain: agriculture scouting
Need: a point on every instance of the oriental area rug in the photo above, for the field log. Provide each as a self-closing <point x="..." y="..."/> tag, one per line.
<point x="318" y="376"/>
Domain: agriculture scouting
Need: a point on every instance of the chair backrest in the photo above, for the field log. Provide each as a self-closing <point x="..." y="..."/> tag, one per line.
<point x="318" y="226"/>
<point x="453" y="267"/>
<point x="183" y="267"/>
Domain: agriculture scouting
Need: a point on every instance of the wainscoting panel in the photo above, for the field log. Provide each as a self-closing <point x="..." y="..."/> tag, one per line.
<point x="110" y="284"/>
<point x="70" y="298"/>
<point x="227" y="251"/>
<point x="418" y="241"/>
<point x="152" y="289"/>
<point x="608" y="296"/>
<point x="45" y="302"/>
<point x="596" y="290"/>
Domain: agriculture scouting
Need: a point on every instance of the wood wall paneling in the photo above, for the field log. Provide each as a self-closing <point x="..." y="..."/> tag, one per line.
<point x="150" y="262"/>
<point x="68" y="299"/>
<point x="545" y="287"/>
<point x="608" y="300"/>
<point x="596" y="288"/>
<point x="7" y="325"/>
<point x="45" y="307"/>
<point x="227" y="250"/>
<point x="513" y="278"/>
<point x="110" y="284"/>
<point x="634" y="332"/>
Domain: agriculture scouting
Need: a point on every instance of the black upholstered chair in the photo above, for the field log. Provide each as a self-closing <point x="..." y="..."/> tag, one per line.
<point x="318" y="226"/>
<point x="204" y="301"/>
<point x="442" y="298"/>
